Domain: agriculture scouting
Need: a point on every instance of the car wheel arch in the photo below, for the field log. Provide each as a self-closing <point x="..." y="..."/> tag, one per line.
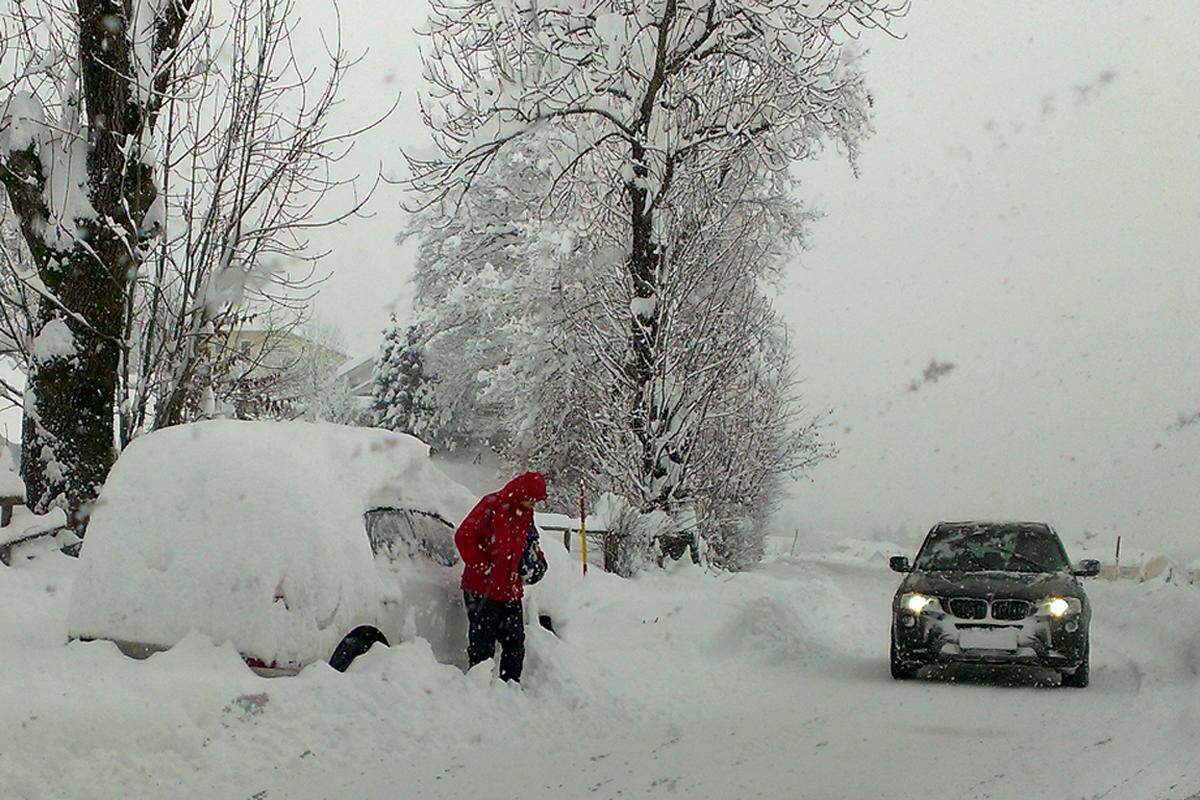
<point x="358" y="641"/>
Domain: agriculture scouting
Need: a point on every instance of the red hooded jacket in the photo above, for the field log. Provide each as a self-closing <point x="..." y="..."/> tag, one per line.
<point x="492" y="538"/>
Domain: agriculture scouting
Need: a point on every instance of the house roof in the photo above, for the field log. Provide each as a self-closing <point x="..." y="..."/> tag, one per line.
<point x="358" y="374"/>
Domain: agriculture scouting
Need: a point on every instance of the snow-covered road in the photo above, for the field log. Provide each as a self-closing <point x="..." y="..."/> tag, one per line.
<point x="768" y="684"/>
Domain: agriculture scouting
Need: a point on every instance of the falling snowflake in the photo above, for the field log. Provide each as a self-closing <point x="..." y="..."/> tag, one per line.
<point x="935" y="371"/>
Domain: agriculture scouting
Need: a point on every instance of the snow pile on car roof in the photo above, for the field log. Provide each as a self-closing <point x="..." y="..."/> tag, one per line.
<point x="250" y="532"/>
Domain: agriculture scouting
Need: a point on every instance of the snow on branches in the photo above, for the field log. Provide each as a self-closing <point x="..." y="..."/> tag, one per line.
<point x="655" y="84"/>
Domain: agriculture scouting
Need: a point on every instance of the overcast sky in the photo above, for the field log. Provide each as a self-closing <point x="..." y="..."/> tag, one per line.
<point x="1027" y="211"/>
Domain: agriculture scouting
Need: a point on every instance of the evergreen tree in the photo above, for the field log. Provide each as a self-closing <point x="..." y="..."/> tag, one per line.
<point x="400" y="382"/>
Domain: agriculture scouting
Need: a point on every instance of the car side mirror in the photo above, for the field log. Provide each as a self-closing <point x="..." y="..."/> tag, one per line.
<point x="1087" y="568"/>
<point x="899" y="564"/>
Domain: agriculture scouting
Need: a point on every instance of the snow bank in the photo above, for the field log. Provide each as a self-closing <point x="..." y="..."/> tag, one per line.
<point x="564" y="588"/>
<point x="836" y="546"/>
<point x="248" y="532"/>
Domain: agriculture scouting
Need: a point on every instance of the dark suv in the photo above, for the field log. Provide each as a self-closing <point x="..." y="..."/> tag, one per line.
<point x="995" y="593"/>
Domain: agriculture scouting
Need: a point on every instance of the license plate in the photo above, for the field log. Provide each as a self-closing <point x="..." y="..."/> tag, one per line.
<point x="988" y="639"/>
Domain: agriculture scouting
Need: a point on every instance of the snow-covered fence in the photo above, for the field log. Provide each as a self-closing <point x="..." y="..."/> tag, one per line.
<point x="1148" y="567"/>
<point x="601" y="546"/>
<point x="22" y="526"/>
<point x="612" y="546"/>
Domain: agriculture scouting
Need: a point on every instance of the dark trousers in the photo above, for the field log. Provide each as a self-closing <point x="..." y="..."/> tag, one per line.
<point x="492" y="621"/>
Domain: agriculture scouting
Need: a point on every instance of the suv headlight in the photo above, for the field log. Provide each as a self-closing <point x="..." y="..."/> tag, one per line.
<point x="1059" y="607"/>
<point x="917" y="603"/>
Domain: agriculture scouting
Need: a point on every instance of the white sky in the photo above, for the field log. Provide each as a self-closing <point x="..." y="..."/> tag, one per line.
<point x="1028" y="210"/>
<point x="1042" y="236"/>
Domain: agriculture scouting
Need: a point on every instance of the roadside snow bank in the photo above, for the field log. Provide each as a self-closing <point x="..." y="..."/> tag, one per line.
<point x="250" y="531"/>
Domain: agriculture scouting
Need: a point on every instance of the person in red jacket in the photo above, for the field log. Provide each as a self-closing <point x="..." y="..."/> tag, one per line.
<point x="492" y="540"/>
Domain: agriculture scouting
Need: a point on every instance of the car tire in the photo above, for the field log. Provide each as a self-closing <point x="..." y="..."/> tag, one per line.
<point x="357" y="642"/>
<point x="1078" y="678"/>
<point x="901" y="670"/>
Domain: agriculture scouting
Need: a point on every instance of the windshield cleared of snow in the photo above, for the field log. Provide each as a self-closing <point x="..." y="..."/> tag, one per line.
<point x="984" y="548"/>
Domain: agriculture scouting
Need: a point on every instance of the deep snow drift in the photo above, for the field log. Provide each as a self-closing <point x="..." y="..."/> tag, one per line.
<point x="772" y="683"/>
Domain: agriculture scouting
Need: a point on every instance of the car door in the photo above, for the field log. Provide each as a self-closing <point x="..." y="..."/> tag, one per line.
<point x="416" y="556"/>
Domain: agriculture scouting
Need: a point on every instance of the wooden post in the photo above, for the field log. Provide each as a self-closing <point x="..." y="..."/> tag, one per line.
<point x="583" y="533"/>
<point x="611" y="552"/>
<point x="6" y="508"/>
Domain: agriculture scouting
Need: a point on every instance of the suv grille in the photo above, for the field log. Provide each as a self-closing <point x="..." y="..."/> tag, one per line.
<point x="968" y="607"/>
<point x="1010" y="609"/>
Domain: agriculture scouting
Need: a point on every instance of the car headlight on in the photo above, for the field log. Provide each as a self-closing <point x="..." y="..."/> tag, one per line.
<point x="1059" y="607"/>
<point x="917" y="603"/>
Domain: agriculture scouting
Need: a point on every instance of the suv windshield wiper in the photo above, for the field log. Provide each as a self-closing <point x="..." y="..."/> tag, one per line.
<point x="1037" y="565"/>
<point x="956" y="565"/>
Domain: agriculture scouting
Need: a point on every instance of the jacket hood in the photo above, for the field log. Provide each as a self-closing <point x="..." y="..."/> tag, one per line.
<point x="526" y="486"/>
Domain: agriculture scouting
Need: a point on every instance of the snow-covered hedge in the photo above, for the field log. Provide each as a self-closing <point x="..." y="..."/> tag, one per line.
<point x="250" y="532"/>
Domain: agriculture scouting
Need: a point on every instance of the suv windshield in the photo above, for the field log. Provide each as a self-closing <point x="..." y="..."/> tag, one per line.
<point x="974" y="547"/>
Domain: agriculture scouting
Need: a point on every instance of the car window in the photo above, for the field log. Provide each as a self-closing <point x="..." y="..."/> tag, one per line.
<point x="405" y="533"/>
<point x="978" y="548"/>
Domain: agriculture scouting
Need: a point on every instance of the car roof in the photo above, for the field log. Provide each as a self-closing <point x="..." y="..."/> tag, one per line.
<point x="987" y="523"/>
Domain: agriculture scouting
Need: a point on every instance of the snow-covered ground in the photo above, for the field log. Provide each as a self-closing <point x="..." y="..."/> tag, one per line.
<point x="772" y="683"/>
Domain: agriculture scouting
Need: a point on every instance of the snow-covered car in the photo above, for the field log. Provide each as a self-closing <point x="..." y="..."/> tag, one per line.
<point x="992" y="592"/>
<point x="296" y="542"/>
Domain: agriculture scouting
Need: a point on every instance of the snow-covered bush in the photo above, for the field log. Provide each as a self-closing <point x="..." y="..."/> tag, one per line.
<point x="641" y="539"/>
<point x="632" y="531"/>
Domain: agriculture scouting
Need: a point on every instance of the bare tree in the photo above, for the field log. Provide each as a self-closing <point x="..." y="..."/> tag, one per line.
<point x="247" y="166"/>
<point x="648" y="104"/>
<point x="527" y="339"/>
<point x="164" y="159"/>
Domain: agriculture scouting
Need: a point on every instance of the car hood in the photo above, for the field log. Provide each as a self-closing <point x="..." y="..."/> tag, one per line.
<point x="1032" y="586"/>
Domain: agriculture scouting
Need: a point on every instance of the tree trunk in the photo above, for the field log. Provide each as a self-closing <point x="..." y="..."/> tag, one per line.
<point x="645" y="422"/>
<point x="648" y="421"/>
<point x="68" y="436"/>
<point x="67" y="429"/>
<point x="68" y="432"/>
